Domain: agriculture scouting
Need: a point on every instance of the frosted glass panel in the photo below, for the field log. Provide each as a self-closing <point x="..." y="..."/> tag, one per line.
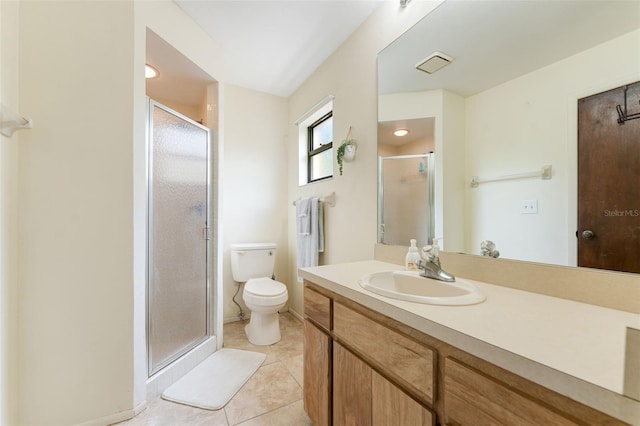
<point x="177" y="312"/>
<point x="323" y="133"/>
<point x="322" y="165"/>
<point x="407" y="200"/>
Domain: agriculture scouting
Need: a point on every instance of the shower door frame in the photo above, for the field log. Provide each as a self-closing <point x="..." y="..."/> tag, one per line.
<point x="150" y="104"/>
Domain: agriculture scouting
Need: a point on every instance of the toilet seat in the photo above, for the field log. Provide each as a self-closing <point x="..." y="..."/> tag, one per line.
<point x="264" y="292"/>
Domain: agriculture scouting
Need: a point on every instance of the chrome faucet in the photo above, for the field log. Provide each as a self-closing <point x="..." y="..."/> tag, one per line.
<point x="429" y="266"/>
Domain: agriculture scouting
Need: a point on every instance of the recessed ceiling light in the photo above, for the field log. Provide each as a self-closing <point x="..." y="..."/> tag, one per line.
<point x="434" y="62"/>
<point x="401" y="132"/>
<point x="150" y="72"/>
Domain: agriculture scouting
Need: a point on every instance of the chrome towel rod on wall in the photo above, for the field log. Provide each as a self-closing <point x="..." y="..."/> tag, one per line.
<point x="329" y="199"/>
<point x="545" y="173"/>
<point x="10" y="121"/>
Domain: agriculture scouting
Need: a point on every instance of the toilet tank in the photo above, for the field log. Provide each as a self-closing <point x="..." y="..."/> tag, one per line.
<point x="252" y="260"/>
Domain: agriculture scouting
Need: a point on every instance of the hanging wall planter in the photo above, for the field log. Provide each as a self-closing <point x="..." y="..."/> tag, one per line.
<point x="349" y="152"/>
<point x="346" y="151"/>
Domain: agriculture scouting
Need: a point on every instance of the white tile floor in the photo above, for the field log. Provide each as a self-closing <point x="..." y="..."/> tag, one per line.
<point x="273" y="395"/>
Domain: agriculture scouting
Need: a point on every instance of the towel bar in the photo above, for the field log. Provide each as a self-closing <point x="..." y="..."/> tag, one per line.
<point x="329" y="199"/>
<point x="10" y="121"/>
<point x="545" y="173"/>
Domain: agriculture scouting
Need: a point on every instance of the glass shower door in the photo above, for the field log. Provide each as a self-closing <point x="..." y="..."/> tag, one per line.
<point x="177" y="304"/>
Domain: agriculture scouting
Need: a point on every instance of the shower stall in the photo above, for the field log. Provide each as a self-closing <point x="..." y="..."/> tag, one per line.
<point x="406" y="199"/>
<point x="178" y="277"/>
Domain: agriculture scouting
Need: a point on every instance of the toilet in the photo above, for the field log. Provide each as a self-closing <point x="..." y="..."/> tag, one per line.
<point x="253" y="265"/>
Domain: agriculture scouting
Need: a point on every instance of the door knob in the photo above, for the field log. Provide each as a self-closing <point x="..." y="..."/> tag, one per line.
<point x="587" y="235"/>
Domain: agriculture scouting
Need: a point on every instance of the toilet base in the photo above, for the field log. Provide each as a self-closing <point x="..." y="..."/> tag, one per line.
<point x="263" y="329"/>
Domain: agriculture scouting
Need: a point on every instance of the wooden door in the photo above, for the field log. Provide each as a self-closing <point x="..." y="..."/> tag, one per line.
<point x="609" y="181"/>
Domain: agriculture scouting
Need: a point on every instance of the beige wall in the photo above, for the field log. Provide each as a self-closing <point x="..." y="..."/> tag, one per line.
<point x="76" y="194"/>
<point x="79" y="274"/>
<point x="350" y="75"/>
<point x="254" y="208"/>
<point x="523" y="124"/>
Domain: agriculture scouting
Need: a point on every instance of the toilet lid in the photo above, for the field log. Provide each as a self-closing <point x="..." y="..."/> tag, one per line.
<point x="264" y="287"/>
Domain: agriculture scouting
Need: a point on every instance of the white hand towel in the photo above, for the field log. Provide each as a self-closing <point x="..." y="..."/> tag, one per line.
<point x="310" y="245"/>
<point x="303" y="216"/>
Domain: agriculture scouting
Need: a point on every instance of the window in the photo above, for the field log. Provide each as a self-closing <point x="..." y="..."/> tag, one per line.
<point x="320" y="148"/>
<point x="315" y="143"/>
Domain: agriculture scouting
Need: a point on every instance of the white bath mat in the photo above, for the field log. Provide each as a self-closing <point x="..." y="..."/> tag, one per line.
<point x="214" y="382"/>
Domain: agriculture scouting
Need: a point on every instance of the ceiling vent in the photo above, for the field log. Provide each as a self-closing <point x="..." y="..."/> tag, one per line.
<point x="434" y="62"/>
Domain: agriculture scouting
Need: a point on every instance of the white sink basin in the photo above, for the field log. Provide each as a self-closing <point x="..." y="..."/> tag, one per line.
<point x="410" y="286"/>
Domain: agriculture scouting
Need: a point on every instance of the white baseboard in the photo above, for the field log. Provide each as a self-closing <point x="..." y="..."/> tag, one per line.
<point x="116" y="417"/>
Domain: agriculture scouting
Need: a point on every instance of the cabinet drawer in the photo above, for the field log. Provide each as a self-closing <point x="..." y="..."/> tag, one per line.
<point x="471" y="398"/>
<point x="405" y="361"/>
<point x="317" y="307"/>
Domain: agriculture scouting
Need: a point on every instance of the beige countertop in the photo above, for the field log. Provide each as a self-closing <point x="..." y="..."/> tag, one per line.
<point x="573" y="348"/>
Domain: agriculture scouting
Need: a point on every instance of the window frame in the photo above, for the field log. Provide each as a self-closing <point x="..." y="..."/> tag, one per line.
<point x="313" y="152"/>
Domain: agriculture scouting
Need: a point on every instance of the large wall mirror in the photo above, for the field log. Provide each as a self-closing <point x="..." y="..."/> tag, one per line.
<point x="503" y="116"/>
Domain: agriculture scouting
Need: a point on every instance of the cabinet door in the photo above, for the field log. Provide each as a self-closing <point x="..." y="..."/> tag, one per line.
<point x="391" y="406"/>
<point x="317" y="375"/>
<point x="351" y="389"/>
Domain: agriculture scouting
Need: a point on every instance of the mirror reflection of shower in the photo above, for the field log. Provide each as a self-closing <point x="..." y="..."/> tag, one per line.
<point x="406" y="165"/>
<point x="406" y="197"/>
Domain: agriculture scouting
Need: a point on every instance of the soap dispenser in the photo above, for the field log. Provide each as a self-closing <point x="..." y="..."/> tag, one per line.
<point x="435" y="251"/>
<point x="412" y="257"/>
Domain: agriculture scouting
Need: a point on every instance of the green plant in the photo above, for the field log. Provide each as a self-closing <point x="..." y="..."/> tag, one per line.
<point x="341" y="150"/>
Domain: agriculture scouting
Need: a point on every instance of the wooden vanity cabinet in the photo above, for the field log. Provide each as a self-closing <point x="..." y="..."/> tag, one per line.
<point x="317" y="374"/>
<point x="351" y="389"/>
<point x="362" y="368"/>
<point x="405" y="361"/>
<point x="472" y="398"/>
<point x="317" y="308"/>
<point x="391" y="406"/>
<point x="363" y="397"/>
<point x="317" y="357"/>
<point x="343" y="388"/>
